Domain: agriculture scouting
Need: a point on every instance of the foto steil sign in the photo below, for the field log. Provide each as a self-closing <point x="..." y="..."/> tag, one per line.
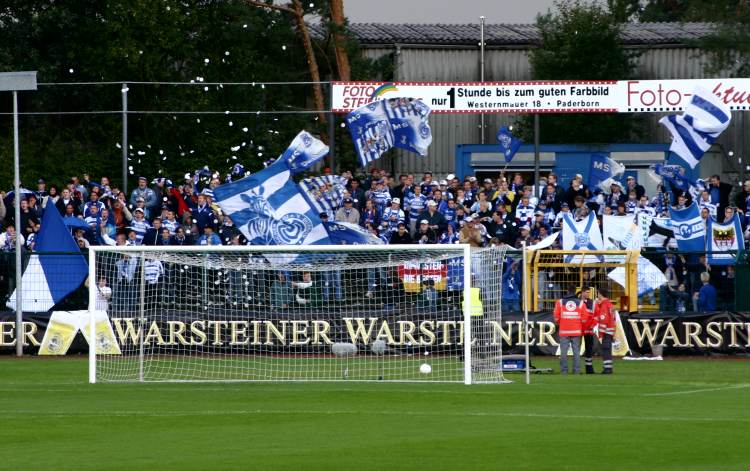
<point x="571" y="96"/>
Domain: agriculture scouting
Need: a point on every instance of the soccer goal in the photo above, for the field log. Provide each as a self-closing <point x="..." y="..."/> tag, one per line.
<point x="298" y="313"/>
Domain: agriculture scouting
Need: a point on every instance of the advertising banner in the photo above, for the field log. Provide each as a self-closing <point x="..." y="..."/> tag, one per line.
<point x="563" y="96"/>
<point x="686" y="334"/>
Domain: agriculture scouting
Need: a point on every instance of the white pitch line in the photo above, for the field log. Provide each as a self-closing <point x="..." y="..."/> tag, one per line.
<point x="106" y="414"/>
<point x="696" y="391"/>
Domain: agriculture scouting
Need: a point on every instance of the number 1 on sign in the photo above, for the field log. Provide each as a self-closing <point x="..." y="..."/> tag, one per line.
<point x="452" y="94"/>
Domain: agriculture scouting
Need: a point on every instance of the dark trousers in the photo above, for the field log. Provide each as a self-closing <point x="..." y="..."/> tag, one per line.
<point x="588" y="352"/>
<point x="607" y="351"/>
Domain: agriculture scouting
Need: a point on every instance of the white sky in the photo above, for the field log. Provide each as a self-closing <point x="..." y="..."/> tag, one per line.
<point x="444" y="11"/>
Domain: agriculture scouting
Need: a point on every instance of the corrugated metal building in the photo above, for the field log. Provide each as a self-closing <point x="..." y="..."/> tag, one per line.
<point x="445" y="52"/>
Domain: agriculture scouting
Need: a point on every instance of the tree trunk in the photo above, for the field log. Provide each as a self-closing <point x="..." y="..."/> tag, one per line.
<point x="339" y="40"/>
<point x="312" y="63"/>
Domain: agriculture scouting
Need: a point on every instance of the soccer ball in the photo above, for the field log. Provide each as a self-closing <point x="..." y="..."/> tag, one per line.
<point x="425" y="369"/>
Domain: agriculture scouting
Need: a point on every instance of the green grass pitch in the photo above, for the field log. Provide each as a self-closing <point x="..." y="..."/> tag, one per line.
<point x="679" y="414"/>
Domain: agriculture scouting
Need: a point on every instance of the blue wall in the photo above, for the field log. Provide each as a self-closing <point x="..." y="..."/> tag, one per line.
<point x="569" y="159"/>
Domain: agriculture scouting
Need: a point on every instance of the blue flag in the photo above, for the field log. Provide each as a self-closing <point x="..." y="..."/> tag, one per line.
<point x="48" y="279"/>
<point x="350" y="234"/>
<point x="509" y="144"/>
<point x="724" y="241"/>
<point x="688" y="228"/>
<point x="304" y="152"/>
<point x="397" y="122"/>
<point x="693" y="132"/>
<point x="325" y="193"/>
<point x="269" y="208"/>
<point x="603" y="171"/>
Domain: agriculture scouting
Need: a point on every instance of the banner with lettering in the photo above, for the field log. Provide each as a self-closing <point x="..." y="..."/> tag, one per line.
<point x="440" y="332"/>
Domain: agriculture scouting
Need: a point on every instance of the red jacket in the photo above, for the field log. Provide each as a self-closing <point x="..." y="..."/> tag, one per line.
<point x="571" y="315"/>
<point x="604" y="315"/>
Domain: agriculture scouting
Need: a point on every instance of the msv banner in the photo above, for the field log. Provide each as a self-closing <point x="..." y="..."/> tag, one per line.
<point x="689" y="229"/>
<point x="724" y="238"/>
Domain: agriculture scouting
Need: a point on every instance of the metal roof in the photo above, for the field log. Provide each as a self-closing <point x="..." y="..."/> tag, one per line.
<point x="512" y="34"/>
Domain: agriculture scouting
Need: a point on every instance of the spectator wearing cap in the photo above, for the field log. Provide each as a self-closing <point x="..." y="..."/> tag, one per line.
<point x="539" y="224"/>
<point x="435" y="220"/>
<point x="470" y="234"/>
<point x="347" y="213"/>
<point x="41" y="189"/>
<point x="67" y="199"/>
<point x="380" y="195"/>
<point x="140" y="225"/>
<point x="401" y="236"/>
<point x="143" y="191"/>
<point x="425" y="234"/>
<point x="394" y="214"/>
<point x="616" y="196"/>
<point x="140" y="203"/>
<point x="523" y="236"/>
<point x="415" y="203"/>
<point x="564" y="209"/>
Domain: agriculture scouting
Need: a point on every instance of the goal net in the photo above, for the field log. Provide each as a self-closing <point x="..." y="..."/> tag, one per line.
<point x="323" y="313"/>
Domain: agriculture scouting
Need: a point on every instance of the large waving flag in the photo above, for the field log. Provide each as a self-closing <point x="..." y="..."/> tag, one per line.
<point x="688" y="228"/>
<point x="269" y="208"/>
<point x="509" y="144"/>
<point x="304" y="152"/>
<point x="326" y="192"/>
<point x="48" y="279"/>
<point x="723" y="241"/>
<point x="581" y="235"/>
<point x="693" y="132"/>
<point x="397" y="122"/>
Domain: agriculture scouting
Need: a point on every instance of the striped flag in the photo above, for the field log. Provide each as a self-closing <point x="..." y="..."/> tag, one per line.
<point x="325" y="193"/>
<point x="693" y="132"/>
<point x="304" y="152"/>
<point x="397" y="122"/>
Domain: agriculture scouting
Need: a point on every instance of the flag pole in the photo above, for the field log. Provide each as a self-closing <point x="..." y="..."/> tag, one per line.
<point x="525" y="316"/>
<point x="17" y="205"/>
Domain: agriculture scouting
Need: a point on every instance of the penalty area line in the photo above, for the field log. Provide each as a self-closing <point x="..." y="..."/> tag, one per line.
<point x="696" y="391"/>
<point x="251" y="412"/>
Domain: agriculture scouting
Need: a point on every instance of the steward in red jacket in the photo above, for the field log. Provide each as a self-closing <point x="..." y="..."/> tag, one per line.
<point x="588" y="331"/>
<point x="570" y="316"/>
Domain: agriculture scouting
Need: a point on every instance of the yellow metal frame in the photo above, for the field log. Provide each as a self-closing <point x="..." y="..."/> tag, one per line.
<point x="629" y="261"/>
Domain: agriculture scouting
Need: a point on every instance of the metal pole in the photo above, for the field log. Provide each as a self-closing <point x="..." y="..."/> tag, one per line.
<point x="125" y="137"/>
<point x="536" y="155"/>
<point x="142" y="313"/>
<point x="468" y="360"/>
<point x="481" y="73"/>
<point x="92" y="321"/>
<point x="525" y="317"/>
<point x="17" y="205"/>
<point x="331" y="130"/>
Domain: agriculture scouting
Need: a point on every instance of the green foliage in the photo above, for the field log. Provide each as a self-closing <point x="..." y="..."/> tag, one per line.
<point x="143" y="40"/>
<point x="579" y="41"/>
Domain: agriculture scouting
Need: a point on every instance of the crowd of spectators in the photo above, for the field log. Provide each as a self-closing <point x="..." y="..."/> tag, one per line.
<point x="504" y="211"/>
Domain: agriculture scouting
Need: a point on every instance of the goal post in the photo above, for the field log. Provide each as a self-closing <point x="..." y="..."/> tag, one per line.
<point x="297" y="313"/>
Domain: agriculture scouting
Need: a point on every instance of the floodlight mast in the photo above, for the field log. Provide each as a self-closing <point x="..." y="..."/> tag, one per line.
<point x="15" y="82"/>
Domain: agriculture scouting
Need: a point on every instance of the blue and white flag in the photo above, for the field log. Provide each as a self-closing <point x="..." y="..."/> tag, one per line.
<point x="397" y="122"/>
<point x="345" y="233"/>
<point x="325" y="193"/>
<point x="304" y="152"/>
<point x="693" y="132"/>
<point x="581" y="235"/>
<point x="674" y="174"/>
<point x="649" y="276"/>
<point x="48" y="279"/>
<point x="509" y="144"/>
<point x="269" y="208"/>
<point x="603" y="170"/>
<point x="689" y="229"/>
<point x="724" y="241"/>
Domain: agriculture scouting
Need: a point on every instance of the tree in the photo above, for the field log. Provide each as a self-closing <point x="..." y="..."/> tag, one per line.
<point x="579" y="41"/>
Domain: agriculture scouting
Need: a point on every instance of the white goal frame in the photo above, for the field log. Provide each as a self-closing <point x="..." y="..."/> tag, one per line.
<point x="466" y="307"/>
